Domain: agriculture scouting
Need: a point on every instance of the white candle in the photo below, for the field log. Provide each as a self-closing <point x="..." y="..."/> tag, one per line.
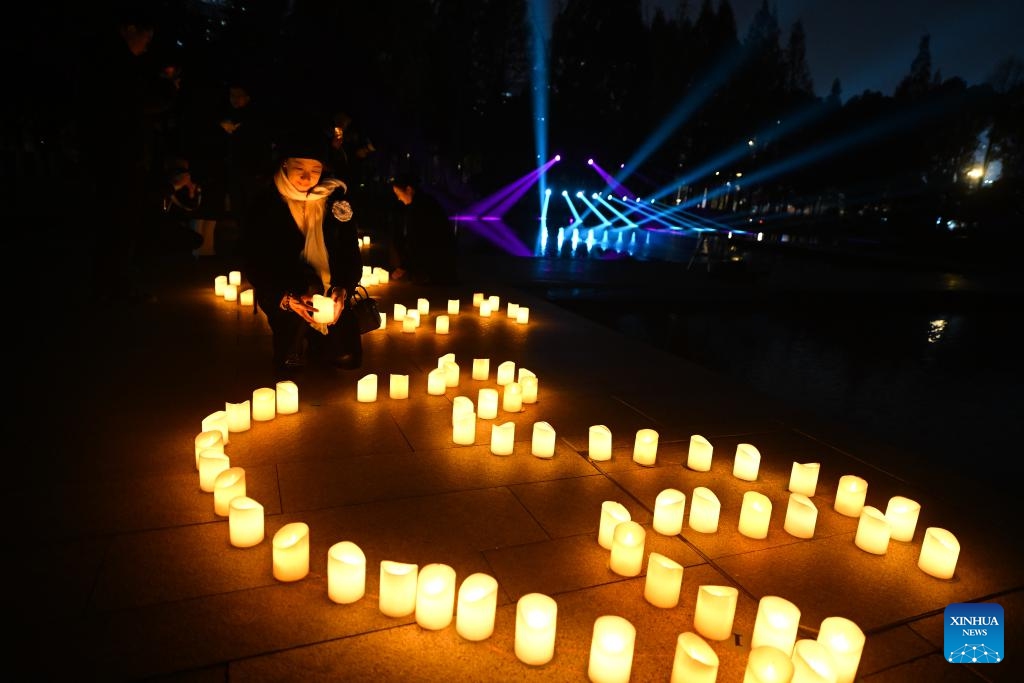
<point x="529" y="384"/>
<point x="812" y="663"/>
<point x="694" y="661"/>
<point x="645" y="447"/>
<point x="398" y="313"/>
<point x="627" y="558"/>
<point x="664" y="581"/>
<point x="435" y="382"/>
<point x="366" y="389"/>
<point x="715" y="611"/>
<point x="872" y="531"/>
<point x="599" y="444"/>
<point x="346" y="573"/>
<point x="234" y="277"/>
<point x="423" y="306"/>
<point x="287" y="397"/>
<point x="397" y="588"/>
<point x="212" y="440"/>
<point x="698" y="457"/>
<point x="383" y="321"/>
<point x="382" y="275"/>
<point x="481" y="368"/>
<point x="755" y="514"/>
<point x="291" y="552"/>
<point x="512" y="398"/>
<point x="850" y="495"/>
<point x="211" y="463"/>
<point x="612" y="514"/>
<point x="803" y="478"/>
<point x="503" y="438"/>
<point x="611" y="650"/>
<point x="323" y="309"/>
<point x="218" y="420"/>
<point x="464" y="428"/>
<point x="801" y="516"/>
<point x="512" y="311"/>
<point x="668" y="512"/>
<point x="220" y="283"/>
<point x="453" y="306"/>
<point x="939" y="553"/>
<point x="399" y="386"/>
<point x="767" y="664"/>
<point x="409" y="323"/>
<point x="477" y="602"/>
<point x="451" y="373"/>
<point x="746" y="463"/>
<point x="246" y="297"/>
<point x="435" y="596"/>
<point x="413" y="315"/>
<point x="543" y="442"/>
<point x="441" y="324"/>
<point x="227" y="486"/>
<point x="523" y="316"/>
<point x="446" y="358"/>
<point x="495" y="302"/>
<point x="245" y="522"/>
<point x="536" y="625"/>
<point x="844" y="641"/>
<point x="776" y="623"/>
<point x="902" y="514"/>
<point x="239" y="416"/>
<point x="230" y="292"/>
<point x="485" y="309"/>
<point x="264" y="404"/>
<point x="460" y="406"/>
<point x="487" y="403"/>
<point x="705" y="509"/>
<point x="506" y="373"/>
<point x="478" y="298"/>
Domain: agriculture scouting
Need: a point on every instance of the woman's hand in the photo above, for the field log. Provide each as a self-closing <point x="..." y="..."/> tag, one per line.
<point x="301" y="306"/>
<point x="338" y="294"/>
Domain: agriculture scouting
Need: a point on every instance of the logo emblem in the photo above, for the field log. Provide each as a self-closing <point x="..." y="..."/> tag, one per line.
<point x="973" y="633"/>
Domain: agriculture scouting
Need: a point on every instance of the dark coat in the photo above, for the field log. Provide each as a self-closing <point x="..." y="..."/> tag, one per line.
<point x="272" y="250"/>
<point x="424" y="242"/>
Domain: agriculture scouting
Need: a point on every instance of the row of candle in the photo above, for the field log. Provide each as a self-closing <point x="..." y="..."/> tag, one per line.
<point x="940" y="548"/>
<point x="430" y="595"/>
<point x="516" y="312"/>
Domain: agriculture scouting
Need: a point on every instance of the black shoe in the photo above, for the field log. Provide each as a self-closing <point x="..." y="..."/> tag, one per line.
<point x="348" y="361"/>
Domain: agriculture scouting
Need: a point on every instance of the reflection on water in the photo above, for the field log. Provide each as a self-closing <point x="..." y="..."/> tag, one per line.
<point x="943" y="383"/>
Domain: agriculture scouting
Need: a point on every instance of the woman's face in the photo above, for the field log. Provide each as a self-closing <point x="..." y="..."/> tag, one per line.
<point x="303" y="174"/>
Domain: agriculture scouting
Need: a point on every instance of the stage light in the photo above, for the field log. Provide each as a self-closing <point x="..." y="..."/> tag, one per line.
<point x="590" y="162"/>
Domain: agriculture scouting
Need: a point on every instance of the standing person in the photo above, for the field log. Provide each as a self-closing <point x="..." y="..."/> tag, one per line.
<point x="423" y="241"/>
<point x="118" y="96"/>
<point x="299" y="240"/>
<point x="235" y="149"/>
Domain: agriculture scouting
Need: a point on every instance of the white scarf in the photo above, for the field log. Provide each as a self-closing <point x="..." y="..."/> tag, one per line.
<point x="308" y="211"/>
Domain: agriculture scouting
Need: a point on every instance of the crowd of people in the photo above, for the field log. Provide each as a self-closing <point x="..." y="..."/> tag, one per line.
<point x="282" y="196"/>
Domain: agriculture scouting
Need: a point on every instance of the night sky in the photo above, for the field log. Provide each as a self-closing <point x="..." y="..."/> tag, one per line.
<point x="869" y="44"/>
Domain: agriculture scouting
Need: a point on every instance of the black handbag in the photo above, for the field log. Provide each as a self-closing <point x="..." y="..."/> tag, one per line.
<point x="365" y="309"/>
